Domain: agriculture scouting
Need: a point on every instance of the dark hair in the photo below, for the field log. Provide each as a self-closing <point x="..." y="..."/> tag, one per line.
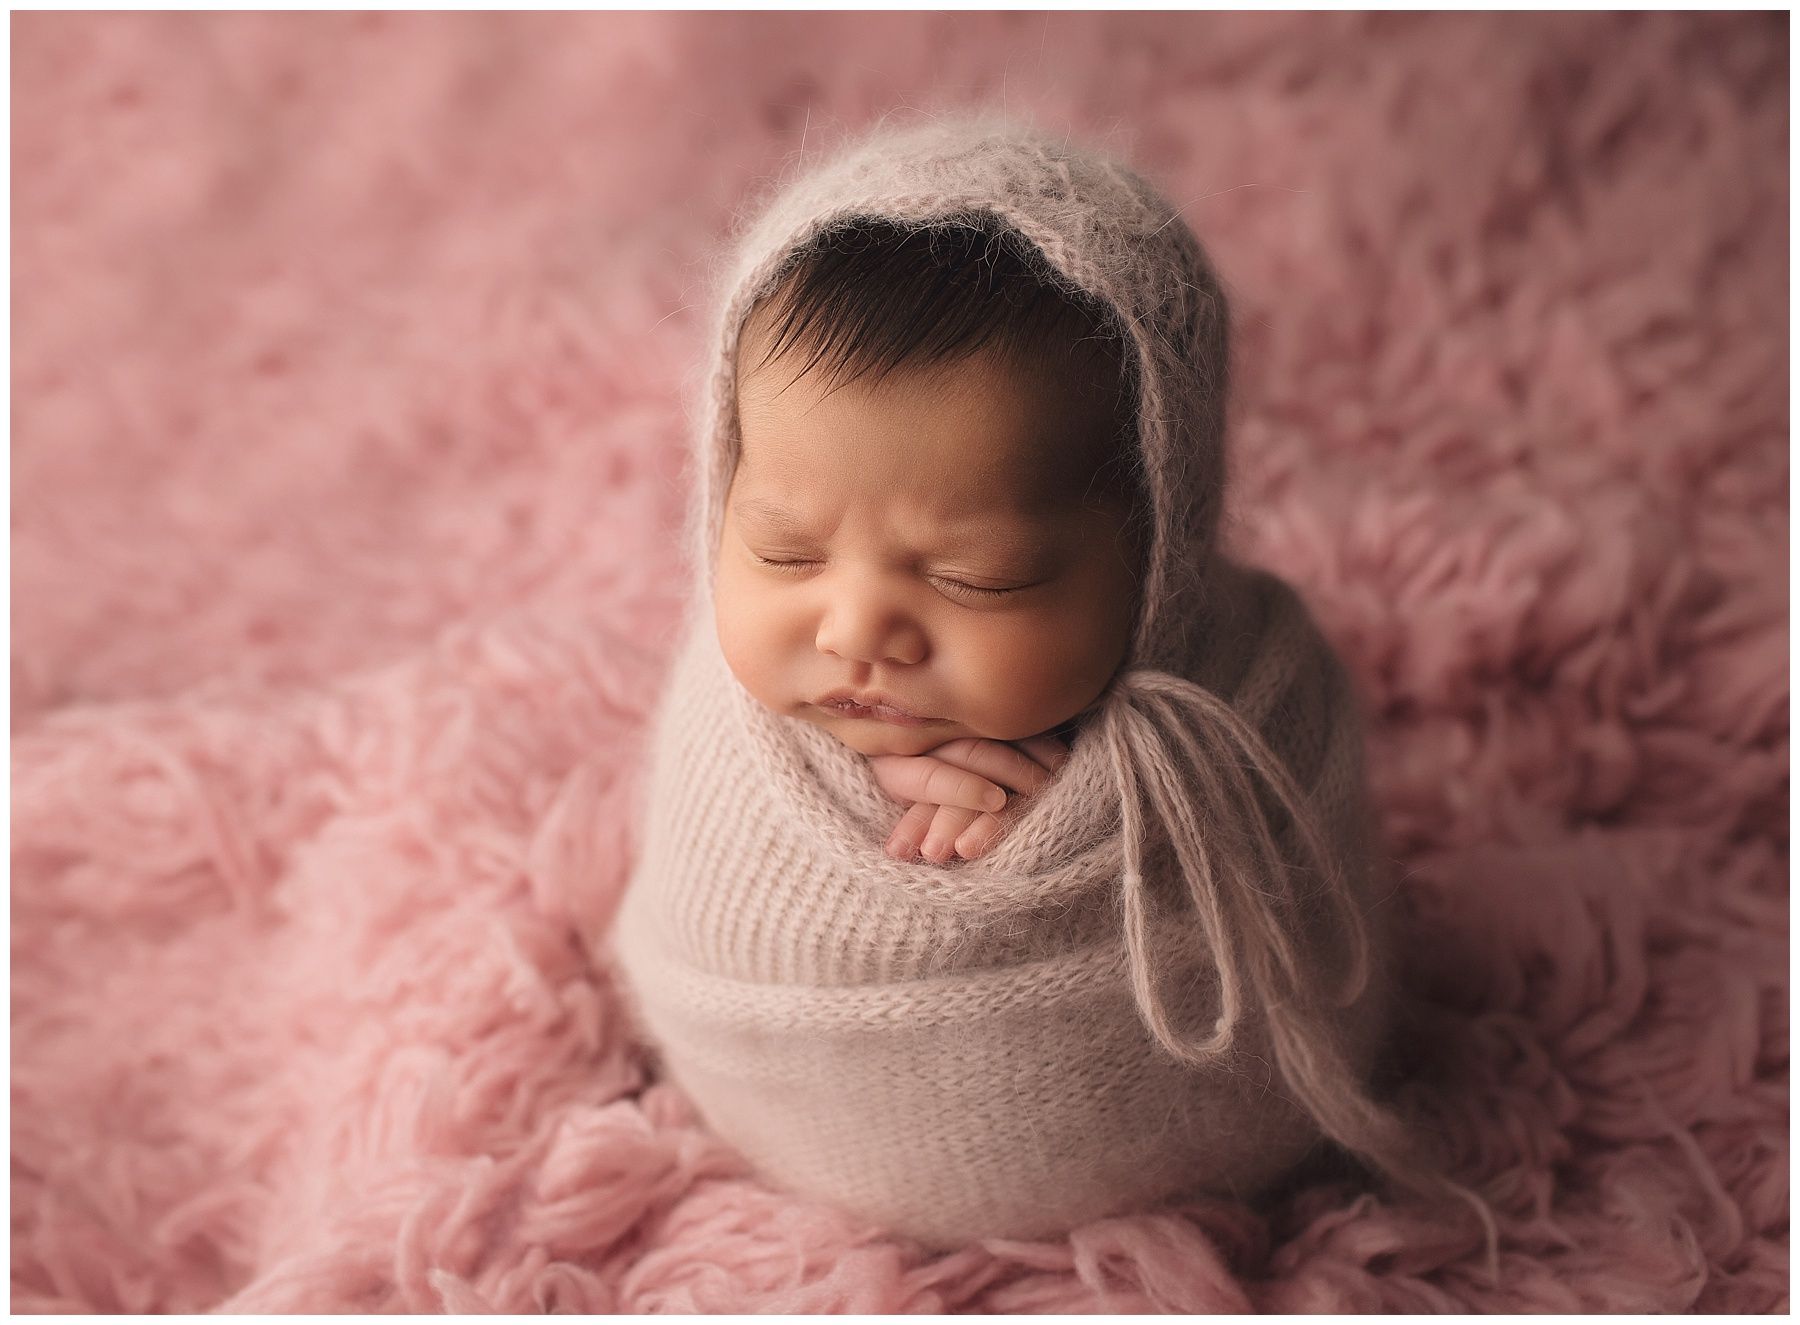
<point x="869" y="295"/>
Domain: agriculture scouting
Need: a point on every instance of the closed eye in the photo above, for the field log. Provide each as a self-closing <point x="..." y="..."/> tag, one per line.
<point x="957" y="586"/>
<point x="976" y="589"/>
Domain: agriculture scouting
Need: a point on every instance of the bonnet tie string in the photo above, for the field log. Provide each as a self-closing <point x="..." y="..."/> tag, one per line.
<point x="1194" y="755"/>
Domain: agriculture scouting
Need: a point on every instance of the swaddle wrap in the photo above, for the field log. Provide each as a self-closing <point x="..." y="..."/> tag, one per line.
<point x="1168" y="976"/>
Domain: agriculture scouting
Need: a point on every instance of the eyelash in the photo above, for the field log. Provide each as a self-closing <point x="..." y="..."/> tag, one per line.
<point x="955" y="584"/>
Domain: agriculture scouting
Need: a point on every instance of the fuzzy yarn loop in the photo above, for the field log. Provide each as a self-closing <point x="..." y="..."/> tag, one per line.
<point x="1225" y="847"/>
<point x="1242" y="889"/>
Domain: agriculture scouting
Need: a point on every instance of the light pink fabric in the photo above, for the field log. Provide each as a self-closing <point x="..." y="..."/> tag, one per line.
<point x="351" y="356"/>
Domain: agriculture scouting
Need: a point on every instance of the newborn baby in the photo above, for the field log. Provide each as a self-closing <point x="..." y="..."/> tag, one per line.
<point x="954" y="532"/>
<point x="932" y="544"/>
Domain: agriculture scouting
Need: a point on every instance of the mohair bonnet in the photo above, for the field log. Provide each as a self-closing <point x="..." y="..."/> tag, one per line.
<point x="1169" y="976"/>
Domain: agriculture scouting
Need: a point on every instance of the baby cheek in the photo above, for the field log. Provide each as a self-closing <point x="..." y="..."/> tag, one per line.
<point x="1040" y="675"/>
<point x="747" y="639"/>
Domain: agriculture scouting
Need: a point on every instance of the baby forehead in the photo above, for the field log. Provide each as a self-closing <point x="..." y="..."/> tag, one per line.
<point x="796" y="504"/>
<point x="970" y="480"/>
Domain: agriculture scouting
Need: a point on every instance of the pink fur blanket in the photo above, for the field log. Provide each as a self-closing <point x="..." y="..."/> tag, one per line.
<point x="352" y="359"/>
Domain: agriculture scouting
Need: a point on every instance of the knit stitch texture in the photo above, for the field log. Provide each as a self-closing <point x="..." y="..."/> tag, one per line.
<point x="1169" y="975"/>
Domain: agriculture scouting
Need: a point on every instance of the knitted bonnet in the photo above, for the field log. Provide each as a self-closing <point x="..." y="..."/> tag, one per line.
<point x="1169" y="975"/>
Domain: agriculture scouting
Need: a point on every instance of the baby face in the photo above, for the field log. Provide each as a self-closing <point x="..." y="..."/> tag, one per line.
<point x="922" y="539"/>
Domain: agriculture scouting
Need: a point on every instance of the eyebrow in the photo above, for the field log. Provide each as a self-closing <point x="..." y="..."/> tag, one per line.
<point x="982" y="533"/>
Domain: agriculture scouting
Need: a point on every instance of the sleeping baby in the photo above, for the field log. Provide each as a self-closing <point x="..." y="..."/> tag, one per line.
<point x="932" y="542"/>
<point x="1006" y="862"/>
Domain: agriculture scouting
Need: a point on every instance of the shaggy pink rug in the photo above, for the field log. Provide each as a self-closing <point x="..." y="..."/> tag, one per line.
<point x="352" y="358"/>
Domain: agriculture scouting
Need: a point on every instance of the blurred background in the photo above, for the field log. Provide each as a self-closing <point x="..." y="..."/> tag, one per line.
<point x="354" y="356"/>
<point x="330" y="328"/>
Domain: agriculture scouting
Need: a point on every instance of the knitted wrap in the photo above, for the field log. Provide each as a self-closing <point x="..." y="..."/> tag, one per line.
<point x="1169" y="975"/>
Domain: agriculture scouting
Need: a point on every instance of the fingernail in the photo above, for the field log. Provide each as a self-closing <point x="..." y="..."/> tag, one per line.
<point x="995" y="799"/>
<point x="934" y="848"/>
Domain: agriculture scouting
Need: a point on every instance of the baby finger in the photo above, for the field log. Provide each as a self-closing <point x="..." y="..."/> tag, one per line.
<point x="911" y="778"/>
<point x="1000" y="762"/>
<point x="940" y="842"/>
<point x="903" y="842"/>
<point x="980" y="837"/>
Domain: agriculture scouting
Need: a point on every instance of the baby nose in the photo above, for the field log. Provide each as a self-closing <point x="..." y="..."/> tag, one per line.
<point x="867" y="631"/>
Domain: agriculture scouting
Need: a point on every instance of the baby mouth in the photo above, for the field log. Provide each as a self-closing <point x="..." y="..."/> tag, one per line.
<point x="876" y="713"/>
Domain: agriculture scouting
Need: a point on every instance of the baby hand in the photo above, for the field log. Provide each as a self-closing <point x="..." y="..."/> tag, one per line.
<point x="958" y="792"/>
